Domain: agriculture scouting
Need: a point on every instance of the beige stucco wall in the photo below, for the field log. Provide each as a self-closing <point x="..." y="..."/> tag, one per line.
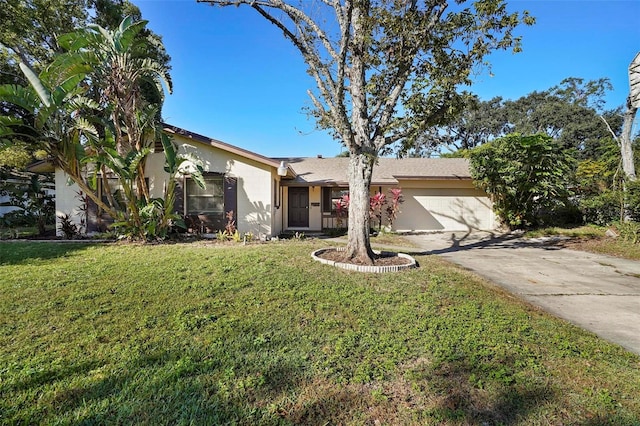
<point x="437" y="205"/>
<point x="67" y="201"/>
<point x="255" y="182"/>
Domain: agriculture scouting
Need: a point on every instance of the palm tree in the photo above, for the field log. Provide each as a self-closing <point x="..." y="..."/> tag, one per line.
<point x="126" y="82"/>
<point x="94" y="113"/>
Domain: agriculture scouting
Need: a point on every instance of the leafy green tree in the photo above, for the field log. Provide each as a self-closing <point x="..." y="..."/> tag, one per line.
<point x="570" y="112"/>
<point x="30" y="32"/>
<point x="385" y="70"/>
<point x="564" y="112"/>
<point x="524" y="175"/>
<point x="477" y="122"/>
<point x="31" y="27"/>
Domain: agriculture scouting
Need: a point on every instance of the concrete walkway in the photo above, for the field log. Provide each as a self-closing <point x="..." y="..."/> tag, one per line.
<point x="596" y="292"/>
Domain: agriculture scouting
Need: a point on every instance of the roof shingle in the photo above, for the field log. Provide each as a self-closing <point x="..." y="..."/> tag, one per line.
<point x="333" y="171"/>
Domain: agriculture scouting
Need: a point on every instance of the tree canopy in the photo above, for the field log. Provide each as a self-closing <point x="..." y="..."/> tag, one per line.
<point x="385" y="70"/>
<point x="570" y="112"/>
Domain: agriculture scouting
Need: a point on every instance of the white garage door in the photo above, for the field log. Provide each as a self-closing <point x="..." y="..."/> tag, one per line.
<point x="444" y="210"/>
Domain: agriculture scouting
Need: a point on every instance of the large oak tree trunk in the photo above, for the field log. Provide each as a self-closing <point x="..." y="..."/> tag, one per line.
<point x="360" y="172"/>
<point x="633" y="103"/>
<point x="625" y="141"/>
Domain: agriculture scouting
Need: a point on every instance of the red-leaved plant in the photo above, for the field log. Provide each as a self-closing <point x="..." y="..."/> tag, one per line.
<point x="342" y="209"/>
<point x="393" y="207"/>
<point x="376" y="207"/>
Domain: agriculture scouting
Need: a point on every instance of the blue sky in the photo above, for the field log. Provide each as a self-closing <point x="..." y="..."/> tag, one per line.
<point x="238" y="80"/>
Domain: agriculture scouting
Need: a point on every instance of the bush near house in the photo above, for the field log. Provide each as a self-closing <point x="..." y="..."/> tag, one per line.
<point x="526" y="177"/>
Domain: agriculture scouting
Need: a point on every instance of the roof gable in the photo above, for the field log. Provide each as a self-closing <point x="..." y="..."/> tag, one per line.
<point x="173" y="130"/>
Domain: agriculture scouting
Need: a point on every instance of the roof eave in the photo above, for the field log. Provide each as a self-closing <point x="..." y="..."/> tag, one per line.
<point x="448" y="177"/>
<point x="42" y="166"/>
<point x="226" y="147"/>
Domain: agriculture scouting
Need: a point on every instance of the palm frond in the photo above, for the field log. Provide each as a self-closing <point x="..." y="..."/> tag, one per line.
<point x="80" y="102"/>
<point x="127" y="32"/>
<point x="86" y="127"/>
<point x="24" y="97"/>
<point x="42" y="92"/>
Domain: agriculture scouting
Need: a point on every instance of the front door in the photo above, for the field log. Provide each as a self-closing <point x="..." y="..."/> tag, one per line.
<point x="298" y="207"/>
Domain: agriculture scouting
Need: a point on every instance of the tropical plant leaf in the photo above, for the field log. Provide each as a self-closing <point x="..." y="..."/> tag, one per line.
<point x="170" y="154"/>
<point x="80" y="102"/>
<point x="127" y="32"/>
<point x="68" y="65"/>
<point x="135" y="158"/>
<point x="7" y="121"/>
<point x="66" y="89"/>
<point x="86" y="127"/>
<point x="198" y="177"/>
<point x="114" y="161"/>
<point x="24" y="97"/>
<point x="42" y="92"/>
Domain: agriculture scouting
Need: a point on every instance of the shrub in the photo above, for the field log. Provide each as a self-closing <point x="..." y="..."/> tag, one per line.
<point x="563" y="214"/>
<point x="17" y="218"/>
<point x="68" y="227"/>
<point x="633" y="200"/>
<point x="524" y="175"/>
<point x="629" y="231"/>
<point x="602" y="209"/>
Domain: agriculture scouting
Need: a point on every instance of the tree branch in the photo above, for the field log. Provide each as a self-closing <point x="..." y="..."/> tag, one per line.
<point x="610" y="130"/>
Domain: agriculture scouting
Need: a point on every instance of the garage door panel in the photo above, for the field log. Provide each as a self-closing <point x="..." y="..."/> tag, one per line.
<point x="444" y="210"/>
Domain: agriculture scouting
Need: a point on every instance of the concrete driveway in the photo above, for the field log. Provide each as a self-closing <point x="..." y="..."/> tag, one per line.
<point x="596" y="292"/>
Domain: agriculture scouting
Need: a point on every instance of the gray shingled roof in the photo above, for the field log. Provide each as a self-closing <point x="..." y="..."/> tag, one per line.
<point x="333" y="171"/>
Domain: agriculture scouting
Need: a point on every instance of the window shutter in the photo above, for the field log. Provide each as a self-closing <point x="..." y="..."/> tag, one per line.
<point x="231" y="196"/>
<point x="326" y="199"/>
<point x="178" y="205"/>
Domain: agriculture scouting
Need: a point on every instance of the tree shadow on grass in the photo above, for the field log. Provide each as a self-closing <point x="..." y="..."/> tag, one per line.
<point x="24" y="252"/>
<point x="157" y="387"/>
<point x="171" y="387"/>
<point x="461" y="399"/>
<point x="401" y="403"/>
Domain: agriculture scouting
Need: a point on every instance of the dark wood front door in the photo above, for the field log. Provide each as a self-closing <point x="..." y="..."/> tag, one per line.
<point x="298" y="207"/>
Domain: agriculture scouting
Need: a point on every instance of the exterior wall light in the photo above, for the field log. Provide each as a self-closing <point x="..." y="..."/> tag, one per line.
<point x="282" y="170"/>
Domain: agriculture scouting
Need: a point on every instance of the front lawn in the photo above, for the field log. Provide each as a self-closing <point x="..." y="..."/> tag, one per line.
<point x="262" y="334"/>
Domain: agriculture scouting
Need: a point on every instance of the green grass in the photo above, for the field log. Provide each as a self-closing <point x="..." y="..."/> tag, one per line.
<point x="586" y="231"/>
<point x="262" y="334"/>
<point x="591" y="238"/>
<point x="22" y="231"/>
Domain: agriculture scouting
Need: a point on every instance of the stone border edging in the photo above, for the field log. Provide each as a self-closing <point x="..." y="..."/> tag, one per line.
<point x="365" y="268"/>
